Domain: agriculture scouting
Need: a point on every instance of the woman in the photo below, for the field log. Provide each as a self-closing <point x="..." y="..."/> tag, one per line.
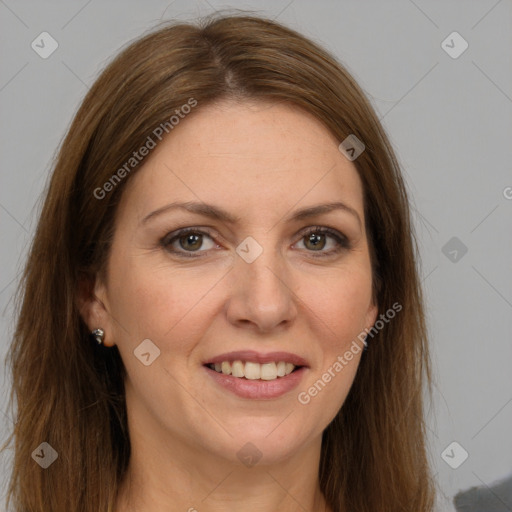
<point x="221" y="307"/>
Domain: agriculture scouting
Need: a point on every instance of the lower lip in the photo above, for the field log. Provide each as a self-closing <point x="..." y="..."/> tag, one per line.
<point x="258" y="389"/>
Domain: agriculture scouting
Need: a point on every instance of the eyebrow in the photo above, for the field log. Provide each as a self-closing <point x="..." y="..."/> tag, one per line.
<point x="214" y="212"/>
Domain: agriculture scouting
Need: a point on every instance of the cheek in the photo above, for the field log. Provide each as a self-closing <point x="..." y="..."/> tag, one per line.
<point x="161" y="304"/>
<point x="338" y="309"/>
<point x="142" y="304"/>
<point x="341" y="303"/>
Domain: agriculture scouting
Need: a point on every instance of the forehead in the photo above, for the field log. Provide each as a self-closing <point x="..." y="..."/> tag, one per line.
<point x="246" y="156"/>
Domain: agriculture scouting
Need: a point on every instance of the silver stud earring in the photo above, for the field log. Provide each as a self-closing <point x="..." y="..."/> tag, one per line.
<point x="98" y="335"/>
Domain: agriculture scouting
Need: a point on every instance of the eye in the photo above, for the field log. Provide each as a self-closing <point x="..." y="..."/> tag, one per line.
<point x="187" y="240"/>
<point x="315" y="239"/>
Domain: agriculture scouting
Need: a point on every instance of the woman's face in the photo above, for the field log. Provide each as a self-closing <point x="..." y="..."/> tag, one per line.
<point x="262" y="281"/>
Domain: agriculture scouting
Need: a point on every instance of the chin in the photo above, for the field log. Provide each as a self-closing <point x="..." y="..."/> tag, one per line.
<point x="269" y="443"/>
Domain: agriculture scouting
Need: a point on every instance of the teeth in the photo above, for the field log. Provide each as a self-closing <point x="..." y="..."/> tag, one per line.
<point x="254" y="371"/>
<point x="237" y="369"/>
<point x="269" y="371"/>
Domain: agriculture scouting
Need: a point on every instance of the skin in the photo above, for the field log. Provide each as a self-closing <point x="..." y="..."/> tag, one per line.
<point x="261" y="162"/>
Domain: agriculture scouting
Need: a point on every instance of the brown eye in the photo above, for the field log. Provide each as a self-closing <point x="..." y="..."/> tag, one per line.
<point x="318" y="238"/>
<point x="187" y="241"/>
<point x="191" y="242"/>
<point x="315" y="241"/>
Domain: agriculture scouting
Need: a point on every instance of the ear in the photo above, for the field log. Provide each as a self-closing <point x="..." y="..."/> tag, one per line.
<point x="92" y="304"/>
<point x="371" y="315"/>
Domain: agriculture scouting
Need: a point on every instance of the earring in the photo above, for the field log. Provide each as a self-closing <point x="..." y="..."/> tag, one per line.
<point x="98" y="335"/>
<point x="365" y="342"/>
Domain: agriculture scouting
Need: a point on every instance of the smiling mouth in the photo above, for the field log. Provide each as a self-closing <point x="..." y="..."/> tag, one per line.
<point x="254" y="371"/>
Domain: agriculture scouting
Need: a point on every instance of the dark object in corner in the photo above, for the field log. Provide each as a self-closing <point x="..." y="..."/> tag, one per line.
<point x="497" y="498"/>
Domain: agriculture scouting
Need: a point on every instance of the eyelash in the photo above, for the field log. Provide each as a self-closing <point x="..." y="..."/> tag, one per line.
<point x="340" y="239"/>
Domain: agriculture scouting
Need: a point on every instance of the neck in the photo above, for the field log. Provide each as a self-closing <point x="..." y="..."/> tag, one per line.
<point x="184" y="478"/>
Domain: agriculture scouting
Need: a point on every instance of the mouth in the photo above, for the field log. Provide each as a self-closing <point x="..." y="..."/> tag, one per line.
<point x="254" y="371"/>
<point x="253" y="365"/>
<point x="254" y="375"/>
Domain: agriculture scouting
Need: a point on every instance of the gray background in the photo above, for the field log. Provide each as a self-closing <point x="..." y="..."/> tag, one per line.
<point x="449" y="120"/>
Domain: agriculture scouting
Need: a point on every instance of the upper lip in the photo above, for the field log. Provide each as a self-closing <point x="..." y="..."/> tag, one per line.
<point x="258" y="357"/>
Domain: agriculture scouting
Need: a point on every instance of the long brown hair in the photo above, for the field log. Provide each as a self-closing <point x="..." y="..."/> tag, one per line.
<point x="71" y="395"/>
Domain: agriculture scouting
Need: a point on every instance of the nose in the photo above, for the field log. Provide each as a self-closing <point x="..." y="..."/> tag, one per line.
<point x="262" y="294"/>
